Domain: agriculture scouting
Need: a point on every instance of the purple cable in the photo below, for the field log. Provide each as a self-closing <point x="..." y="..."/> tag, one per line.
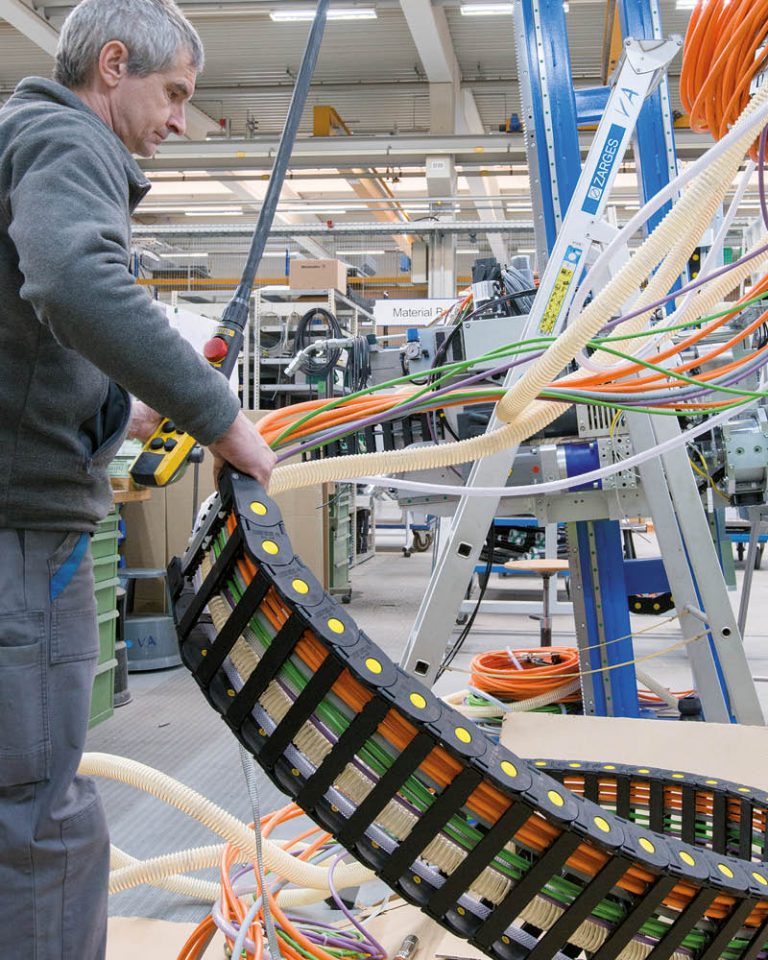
<point x="377" y="951"/>
<point x="693" y="285"/>
<point x="688" y="288"/>
<point x="761" y="175"/>
<point x="406" y="407"/>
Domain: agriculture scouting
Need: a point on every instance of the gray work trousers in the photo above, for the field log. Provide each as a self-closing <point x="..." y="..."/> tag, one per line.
<point x="54" y="847"/>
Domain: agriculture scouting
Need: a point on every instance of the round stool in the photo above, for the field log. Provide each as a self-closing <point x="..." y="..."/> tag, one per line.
<point x="545" y="569"/>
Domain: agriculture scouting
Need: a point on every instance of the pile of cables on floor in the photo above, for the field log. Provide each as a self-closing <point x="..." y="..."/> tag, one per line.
<point x="541" y="680"/>
<point x="253" y="922"/>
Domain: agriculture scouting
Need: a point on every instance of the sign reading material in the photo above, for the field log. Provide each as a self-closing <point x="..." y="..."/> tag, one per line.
<point x="409" y="313"/>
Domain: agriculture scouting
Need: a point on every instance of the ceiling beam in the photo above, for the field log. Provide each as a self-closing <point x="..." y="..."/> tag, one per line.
<point x="453" y="110"/>
<point x="33" y="26"/>
<point x="41" y="33"/>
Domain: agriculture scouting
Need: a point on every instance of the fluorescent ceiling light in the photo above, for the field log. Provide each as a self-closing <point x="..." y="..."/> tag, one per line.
<point x="340" y="13"/>
<point x="360" y="253"/>
<point x="213" y="212"/>
<point x="319" y="210"/>
<point x="467" y="252"/>
<point x="486" y="9"/>
<point x="183" y="256"/>
<point x="685" y="4"/>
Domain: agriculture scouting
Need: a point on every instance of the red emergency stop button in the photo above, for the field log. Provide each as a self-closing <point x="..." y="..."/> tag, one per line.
<point x="215" y="350"/>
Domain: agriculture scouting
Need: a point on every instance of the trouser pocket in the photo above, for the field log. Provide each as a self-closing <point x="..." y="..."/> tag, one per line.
<point x="24" y="732"/>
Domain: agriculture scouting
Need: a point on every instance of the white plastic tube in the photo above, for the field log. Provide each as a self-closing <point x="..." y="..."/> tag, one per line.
<point x="218" y="820"/>
<point x="553" y="486"/>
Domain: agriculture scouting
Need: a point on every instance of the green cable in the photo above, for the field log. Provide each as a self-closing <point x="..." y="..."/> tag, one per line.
<point x="500" y="353"/>
<point x="514" y="866"/>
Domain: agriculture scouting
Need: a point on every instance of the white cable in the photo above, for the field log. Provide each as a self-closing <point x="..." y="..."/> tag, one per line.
<point x="552" y="486"/>
<point x="674" y="318"/>
<point x="596" y="274"/>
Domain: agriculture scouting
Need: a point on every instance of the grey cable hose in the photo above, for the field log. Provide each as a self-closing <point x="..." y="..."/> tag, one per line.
<point x="253" y="795"/>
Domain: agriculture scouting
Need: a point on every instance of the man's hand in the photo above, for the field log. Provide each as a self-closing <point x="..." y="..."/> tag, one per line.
<point x="244" y="448"/>
<point x="144" y="421"/>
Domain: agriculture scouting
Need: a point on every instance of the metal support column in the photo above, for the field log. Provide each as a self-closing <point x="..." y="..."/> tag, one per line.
<point x="436" y="617"/>
<point x="720" y="669"/>
<point x="602" y="619"/>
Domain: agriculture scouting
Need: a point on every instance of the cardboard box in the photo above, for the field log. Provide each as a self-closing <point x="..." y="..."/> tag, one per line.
<point x="318" y="275"/>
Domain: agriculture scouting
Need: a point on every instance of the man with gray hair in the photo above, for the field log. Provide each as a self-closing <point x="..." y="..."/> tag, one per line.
<point x="78" y="338"/>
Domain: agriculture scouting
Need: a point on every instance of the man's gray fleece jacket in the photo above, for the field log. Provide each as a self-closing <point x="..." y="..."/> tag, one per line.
<point x="73" y="323"/>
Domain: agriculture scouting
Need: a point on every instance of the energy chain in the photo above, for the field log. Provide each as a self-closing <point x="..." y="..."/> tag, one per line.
<point x="525" y="860"/>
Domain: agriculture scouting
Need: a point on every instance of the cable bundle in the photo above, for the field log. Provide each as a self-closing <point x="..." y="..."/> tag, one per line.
<point x="525" y="674"/>
<point x="239" y="913"/>
<point x="723" y="54"/>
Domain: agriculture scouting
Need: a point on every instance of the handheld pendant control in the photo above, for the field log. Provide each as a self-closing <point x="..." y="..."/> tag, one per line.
<point x="166" y="452"/>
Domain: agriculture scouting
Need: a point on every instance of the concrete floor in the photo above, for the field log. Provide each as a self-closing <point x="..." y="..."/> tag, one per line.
<point x="170" y="726"/>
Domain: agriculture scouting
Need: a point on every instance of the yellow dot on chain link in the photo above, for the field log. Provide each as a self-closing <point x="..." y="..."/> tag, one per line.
<point x="602" y="824"/>
<point x="509" y="768"/>
<point x="300" y="586"/>
<point x="373" y="665"/>
<point x="336" y="625"/>
<point x="647" y="845"/>
<point x="259" y="508"/>
<point x="555" y="798"/>
<point x="418" y="701"/>
<point x="464" y="735"/>
<point x="687" y="858"/>
<point x="270" y="547"/>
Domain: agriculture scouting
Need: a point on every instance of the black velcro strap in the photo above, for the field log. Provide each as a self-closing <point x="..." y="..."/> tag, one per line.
<point x="580" y="910"/>
<point x="757" y="943"/>
<point x="591" y="787"/>
<point x="644" y="909"/>
<point x="210" y="585"/>
<point x="352" y="739"/>
<point x="481" y="855"/>
<point x="304" y="706"/>
<point x="719" y="822"/>
<point x="237" y="621"/>
<point x="623" y="805"/>
<point x="656" y="813"/>
<point x="386" y="787"/>
<point x="526" y="889"/>
<point x="266" y="669"/>
<point x="683" y="925"/>
<point x="430" y="823"/>
<point x="688" y="815"/>
<point x="728" y="930"/>
<point x="745" y="830"/>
